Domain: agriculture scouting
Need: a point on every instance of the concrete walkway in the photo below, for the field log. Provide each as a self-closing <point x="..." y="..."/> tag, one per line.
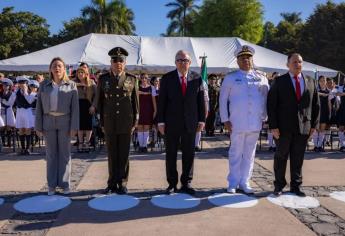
<point x="21" y="177"/>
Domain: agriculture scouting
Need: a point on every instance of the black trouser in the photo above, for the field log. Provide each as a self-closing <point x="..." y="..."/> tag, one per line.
<point x="211" y="117"/>
<point x="187" y="141"/>
<point x="118" y="164"/>
<point x="292" y="144"/>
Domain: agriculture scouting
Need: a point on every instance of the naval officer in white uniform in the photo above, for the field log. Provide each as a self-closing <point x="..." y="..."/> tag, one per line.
<point x="243" y="96"/>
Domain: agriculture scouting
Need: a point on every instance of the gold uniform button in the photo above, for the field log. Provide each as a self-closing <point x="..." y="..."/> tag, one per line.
<point x="117" y="95"/>
<point x="117" y="112"/>
<point x="117" y="87"/>
<point x="117" y="104"/>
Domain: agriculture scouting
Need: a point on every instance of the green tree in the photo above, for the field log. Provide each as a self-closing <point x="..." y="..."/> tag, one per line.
<point x="230" y="18"/>
<point x="269" y="34"/>
<point x="21" y="32"/>
<point x="286" y="36"/>
<point x="322" y="38"/>
<point x="74" y="28"/>
<point x="109" y="17"/>
<point x="181" y="16"/>
<point x="288" y="33"/>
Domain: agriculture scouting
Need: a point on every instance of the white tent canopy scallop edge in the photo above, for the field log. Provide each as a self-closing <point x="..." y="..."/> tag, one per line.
<point x="155" y="54"/>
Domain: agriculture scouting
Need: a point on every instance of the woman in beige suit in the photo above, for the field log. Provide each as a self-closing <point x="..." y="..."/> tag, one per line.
<point x="57" y="119"/>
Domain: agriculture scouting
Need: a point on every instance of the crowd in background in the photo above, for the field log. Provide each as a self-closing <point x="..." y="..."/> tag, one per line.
<point x="18" y="97"/>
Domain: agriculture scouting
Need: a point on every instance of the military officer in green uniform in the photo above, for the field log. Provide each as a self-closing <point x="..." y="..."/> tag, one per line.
<point x="213" y="93"/>
<point x="117" y="102"/>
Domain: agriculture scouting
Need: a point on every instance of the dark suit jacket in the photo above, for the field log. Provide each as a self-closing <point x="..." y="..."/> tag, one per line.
<point x="285" y="113"/>
<point x="180" y="112"/>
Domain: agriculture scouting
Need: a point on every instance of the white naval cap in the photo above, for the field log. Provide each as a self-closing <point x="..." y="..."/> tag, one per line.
<point x="244" y="50"/>
<point x="21" y="79"/>
<point x="6" y="81"/>
<point x="34" y="83"/>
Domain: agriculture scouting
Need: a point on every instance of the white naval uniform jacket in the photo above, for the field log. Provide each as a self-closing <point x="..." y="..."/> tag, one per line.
<point x="242" y="100"/>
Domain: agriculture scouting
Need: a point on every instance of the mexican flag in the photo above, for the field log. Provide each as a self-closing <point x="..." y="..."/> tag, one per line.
<point x="204" y="72"/>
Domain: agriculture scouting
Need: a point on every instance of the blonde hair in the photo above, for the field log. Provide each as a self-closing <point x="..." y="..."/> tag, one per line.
<point x="65" y="77"/>
<point x="87" y="78"/>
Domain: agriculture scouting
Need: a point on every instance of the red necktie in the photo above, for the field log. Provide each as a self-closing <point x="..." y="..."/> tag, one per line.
<point x="298" y="88"/>
<point x="183" y="85"/>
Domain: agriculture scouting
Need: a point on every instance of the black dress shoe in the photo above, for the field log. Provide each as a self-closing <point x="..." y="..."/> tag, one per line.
<point x="277" y="192"/>
<point x="187" y="189"/>
<point x="107" y="190"/>
<point x="122" y="190"/>
<point x="171" y="189"/>
<point x="298" y="192"/>
<point x="197" y="149"/>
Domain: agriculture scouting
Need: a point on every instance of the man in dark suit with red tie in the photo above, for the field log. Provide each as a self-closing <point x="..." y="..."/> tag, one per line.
<point x="181" y="111"/>
<point x="293" y="112"/>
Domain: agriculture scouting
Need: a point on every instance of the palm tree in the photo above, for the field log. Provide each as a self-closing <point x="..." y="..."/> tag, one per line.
<point x="109" y="17"/>
<point x="121" y="21"/>
<point x="181" y="16"/>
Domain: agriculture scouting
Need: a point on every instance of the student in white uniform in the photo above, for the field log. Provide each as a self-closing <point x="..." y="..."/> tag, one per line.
<point x="24" y="121"/>
<point x="243" y="97"/>
<point x="341" y="117"/>
<point x="7" y="98"/>
<point x="33" y="88"/>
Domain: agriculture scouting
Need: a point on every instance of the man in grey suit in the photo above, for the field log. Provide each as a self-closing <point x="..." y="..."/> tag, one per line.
<point x="293" y="113"/>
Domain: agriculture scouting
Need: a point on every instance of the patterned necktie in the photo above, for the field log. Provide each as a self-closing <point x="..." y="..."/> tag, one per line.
<point x="298" y="88"/>
<point x="183" y="85"/>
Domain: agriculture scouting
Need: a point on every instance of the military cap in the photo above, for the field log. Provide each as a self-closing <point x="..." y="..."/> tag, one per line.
<point x="245" y="50"/>
<point x="22" y="79"/>
<point x="34" y="83"/>
<point x="6" y="81"/>
<point x="118" y="52"/>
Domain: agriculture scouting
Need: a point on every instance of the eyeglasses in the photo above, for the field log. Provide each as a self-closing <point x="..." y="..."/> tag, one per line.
<point x="116" y="60"/>
<point x="182" y="60"/>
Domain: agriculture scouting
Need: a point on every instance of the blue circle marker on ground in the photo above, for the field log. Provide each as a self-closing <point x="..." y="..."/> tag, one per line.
<point x="113" y="202"/>
<point x="290" y="200"/>
<point x="338" y="195"/>
<point x="232" y="200"/>
<point x="42" y="204"/>
<point x="175" y="201"/>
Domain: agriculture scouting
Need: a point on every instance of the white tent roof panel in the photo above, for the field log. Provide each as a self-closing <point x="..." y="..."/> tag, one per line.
<point x="154" y="54"/>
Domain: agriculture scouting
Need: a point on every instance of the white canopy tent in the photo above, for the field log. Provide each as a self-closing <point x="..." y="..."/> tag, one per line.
<point x="154" y="54"/>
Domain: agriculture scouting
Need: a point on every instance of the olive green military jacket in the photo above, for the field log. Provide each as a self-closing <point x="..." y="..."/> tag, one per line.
<point x="117" y="102"/>
<point x="213" y="94"/>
